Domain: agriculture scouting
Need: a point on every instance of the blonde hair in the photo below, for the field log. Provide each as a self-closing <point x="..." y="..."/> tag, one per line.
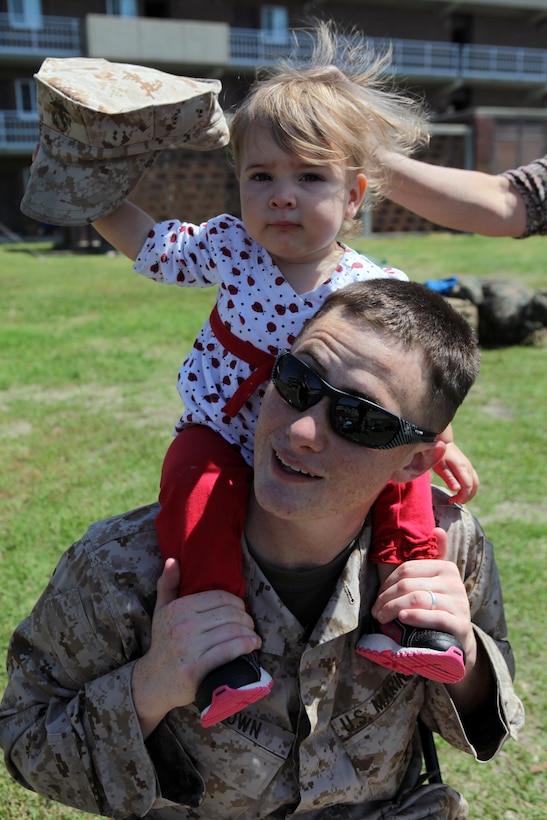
<point x="338" y="107"/>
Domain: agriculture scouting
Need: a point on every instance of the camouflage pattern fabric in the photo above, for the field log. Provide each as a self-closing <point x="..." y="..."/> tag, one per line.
<point x="335" y="738"/>
<point x="531" y="182"/>
<point x="102" y="124"/>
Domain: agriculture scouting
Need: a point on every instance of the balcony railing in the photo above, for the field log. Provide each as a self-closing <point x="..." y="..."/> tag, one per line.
<point x="422" y="58"/>
<point x="418" y="58"/>
<point x="18" y="132"/>
<point x="63" y="37"/>
<point x="504" y="63"/>
<point x="249" y="46"/>
<point x="56" y="37"/>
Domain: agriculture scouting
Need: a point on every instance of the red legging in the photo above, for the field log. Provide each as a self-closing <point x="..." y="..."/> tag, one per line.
<point x="204" y="492"/>
<point x="402" y="523"/>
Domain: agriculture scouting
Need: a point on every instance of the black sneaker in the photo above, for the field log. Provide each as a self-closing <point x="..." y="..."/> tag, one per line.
<point x="231" y="687"/>
<point x="413" y="651"/>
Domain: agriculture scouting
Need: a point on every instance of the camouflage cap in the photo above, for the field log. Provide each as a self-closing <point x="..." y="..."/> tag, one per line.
<point x="103" y="124"/>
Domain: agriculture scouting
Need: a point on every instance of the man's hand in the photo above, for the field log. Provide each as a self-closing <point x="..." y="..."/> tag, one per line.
<point x="191" y="636"/>
<point x="405" y="594"/>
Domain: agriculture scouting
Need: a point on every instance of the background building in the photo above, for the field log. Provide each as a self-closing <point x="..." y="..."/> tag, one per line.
<point x="481" y="65"/>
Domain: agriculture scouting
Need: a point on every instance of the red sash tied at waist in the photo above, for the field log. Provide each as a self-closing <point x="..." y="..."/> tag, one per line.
<point x="261" y="361"/>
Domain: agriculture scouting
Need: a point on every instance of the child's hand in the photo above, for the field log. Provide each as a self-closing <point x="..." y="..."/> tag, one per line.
<point x="458" y="474"/>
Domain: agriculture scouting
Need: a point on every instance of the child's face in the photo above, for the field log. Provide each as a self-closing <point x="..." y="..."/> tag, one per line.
<point x="291" y="206"/>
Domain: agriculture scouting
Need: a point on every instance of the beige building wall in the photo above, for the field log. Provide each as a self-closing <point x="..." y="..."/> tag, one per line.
<point x="157" y="42"/>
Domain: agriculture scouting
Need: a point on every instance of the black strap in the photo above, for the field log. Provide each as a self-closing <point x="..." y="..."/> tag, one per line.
<point x="431" y="760"/>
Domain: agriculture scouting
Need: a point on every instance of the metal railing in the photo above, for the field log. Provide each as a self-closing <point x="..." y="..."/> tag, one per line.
<point x="504" y="63"/>
<point x="424" y="58"/>
<point x="249" y="46"/>
<point x="18" y="132"/>
<point x="418" y="58"/>
<point x="56" y="37"/>
<point x="63" y="36"/>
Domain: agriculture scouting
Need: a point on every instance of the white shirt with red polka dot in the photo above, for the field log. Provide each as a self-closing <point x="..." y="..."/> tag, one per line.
<point x="254" y="300"/>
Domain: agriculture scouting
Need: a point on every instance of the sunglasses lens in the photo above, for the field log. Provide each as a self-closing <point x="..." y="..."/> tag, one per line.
<point x="296" y="383"/>
<point x="363" y="424"/>
<point x="353" y="418"/>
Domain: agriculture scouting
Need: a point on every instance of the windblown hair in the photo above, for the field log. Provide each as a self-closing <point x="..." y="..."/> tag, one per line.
<point x="337" y="107"/>
<point x="412" y="316"/>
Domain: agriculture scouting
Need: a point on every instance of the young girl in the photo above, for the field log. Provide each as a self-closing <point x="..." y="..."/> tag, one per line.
<point x="303" y="143"/>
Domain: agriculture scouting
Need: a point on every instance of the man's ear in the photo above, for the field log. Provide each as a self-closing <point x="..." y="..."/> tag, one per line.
<point x="420" y="461"/>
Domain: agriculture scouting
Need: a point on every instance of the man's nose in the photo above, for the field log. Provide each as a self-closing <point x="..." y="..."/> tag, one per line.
<point x="309" y="429"/>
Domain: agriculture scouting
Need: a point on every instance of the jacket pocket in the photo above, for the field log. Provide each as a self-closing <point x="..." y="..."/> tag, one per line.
<point x="378" y="734"/>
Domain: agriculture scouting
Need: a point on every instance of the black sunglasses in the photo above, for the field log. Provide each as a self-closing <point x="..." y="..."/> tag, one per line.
<point x="352" y="417"/>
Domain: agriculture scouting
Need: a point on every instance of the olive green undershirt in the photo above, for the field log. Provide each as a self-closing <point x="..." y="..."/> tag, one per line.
<point x="305" y="592"/>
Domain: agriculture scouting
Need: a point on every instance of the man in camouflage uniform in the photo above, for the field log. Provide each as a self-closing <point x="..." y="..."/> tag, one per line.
<point x="98" y="711"/>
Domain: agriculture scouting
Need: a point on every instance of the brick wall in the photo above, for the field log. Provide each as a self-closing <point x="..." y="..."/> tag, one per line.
<point x="188" y="185"/>
<point x="392" y="218"/>
<point x="194" y="186"/>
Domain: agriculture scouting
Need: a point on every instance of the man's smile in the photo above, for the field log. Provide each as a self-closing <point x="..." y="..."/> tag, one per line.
<point x="288" y="468"/>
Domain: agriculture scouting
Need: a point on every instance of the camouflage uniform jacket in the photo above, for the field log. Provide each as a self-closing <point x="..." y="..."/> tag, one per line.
<point x="531" y="183"/>
<point x="335" y="738"/>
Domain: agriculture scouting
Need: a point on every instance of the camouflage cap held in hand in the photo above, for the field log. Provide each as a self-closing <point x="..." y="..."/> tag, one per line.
<point x="103" y="124"/>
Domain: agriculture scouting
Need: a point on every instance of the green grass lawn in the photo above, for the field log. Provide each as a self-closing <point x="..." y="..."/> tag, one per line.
<point x="89" y="353"/>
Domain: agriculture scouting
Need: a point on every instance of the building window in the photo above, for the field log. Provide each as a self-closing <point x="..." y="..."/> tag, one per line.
<point x="274" y="22"/>
<point x="122" y="8"/>
<point x="462" y="28"/>
<point x="160" y="9"/>
<point x="25" y="98"/>
<point x="25" y="13"/>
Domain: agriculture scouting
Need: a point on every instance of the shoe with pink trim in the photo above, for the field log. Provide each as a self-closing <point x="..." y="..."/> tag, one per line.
<point x="413" y="651"/>
<point x="232" y="687"/>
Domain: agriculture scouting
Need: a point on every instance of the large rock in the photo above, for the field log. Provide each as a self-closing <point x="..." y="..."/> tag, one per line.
<point x="502" y="312"/>
<point x="506" y="314"/>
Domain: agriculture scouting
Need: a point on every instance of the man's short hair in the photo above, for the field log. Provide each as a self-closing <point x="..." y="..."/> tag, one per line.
<point x="413" y="315"/>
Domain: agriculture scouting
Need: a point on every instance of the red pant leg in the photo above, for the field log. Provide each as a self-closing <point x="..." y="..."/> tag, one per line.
<point x="402" y="523"/>
<point x="204" y="492"/>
